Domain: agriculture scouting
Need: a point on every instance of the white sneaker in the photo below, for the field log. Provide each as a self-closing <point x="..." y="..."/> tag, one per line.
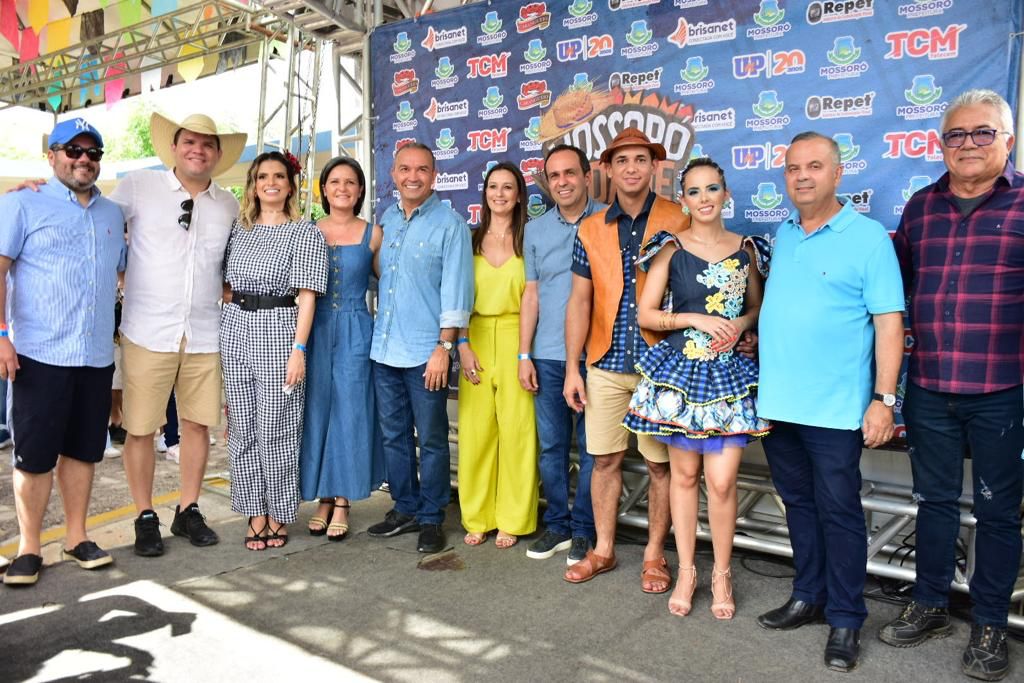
<point x="161" y="445"/>
<point x="173" y="453"/>
<point x="111" y="452"/>
<point x="213" y="439"/>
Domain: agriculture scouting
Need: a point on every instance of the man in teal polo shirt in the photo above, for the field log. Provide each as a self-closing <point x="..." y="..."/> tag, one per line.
<point x="831" y="344"/>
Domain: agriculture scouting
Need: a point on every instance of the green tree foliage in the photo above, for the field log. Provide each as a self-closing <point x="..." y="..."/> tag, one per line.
<point x="134" y="142"/>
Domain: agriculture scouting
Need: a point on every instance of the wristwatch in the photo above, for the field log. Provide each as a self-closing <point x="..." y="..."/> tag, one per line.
<point x="888" y="400"/>
<point x="446" y="345"/>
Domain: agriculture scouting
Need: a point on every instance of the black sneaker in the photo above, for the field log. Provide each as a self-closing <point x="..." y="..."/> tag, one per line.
<point x="394" y="523"/>
<point x="915" y="625"/>
<point x="191" y="524"/>
<point x="88" y="555"/>
<point x="986" y="657"/>
<point x="117" y="434"/>
<point x="578" y="550"/>
<point x="147" y="535"/>
<point x="24" y="571"/>
<point x="548" y="544"/>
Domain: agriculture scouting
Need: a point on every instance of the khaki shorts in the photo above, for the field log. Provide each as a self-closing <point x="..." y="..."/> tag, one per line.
<point x="149" y="377"/>
<point x="608" y="396"/>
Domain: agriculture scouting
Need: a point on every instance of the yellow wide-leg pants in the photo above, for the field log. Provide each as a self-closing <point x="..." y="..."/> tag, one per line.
<point x="498" y="480"/>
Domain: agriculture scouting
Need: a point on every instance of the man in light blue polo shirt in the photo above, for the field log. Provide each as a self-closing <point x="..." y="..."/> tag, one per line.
<point x="60" y="251"/>
<point x="547" y="249"/>
<point x="831" y="344"/>
<point x="426" y="295"/>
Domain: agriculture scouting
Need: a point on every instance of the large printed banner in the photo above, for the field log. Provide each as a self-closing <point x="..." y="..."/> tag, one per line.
<point x="733" y="80"/>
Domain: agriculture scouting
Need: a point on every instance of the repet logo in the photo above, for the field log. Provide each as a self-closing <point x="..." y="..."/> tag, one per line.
<point x="933" y="43"/>
<point x="828" y="107"/>
<point x="769" y="64"/>
<point x="769" y="18"/>
<point x="842" y="10"/>
<point x="843" y="55"/>
<point x="635" y="82"/>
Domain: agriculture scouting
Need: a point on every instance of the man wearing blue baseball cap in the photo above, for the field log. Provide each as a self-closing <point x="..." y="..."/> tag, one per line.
<point x="61" y="249"/>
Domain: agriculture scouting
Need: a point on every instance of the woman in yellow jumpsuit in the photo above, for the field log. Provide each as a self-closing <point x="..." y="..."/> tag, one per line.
<point x="498" y="478"/>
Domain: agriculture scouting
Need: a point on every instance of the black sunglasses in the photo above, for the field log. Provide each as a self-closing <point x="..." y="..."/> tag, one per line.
<point x="982" y="137"/>
<point x="185" y="219"/>
<point x="75" y="151"/>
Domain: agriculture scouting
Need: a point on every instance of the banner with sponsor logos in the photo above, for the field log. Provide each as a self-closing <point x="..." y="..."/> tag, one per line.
<point x="733" y="80"/>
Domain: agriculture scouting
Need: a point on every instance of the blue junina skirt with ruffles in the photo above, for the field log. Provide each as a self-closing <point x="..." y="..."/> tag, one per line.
<point x="694" y="398"/>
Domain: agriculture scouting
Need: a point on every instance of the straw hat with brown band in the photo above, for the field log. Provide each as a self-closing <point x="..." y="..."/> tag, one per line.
<point x="162" y="130"/>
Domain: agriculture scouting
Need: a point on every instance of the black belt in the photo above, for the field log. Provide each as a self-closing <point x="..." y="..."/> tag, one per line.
<point x="248" y="301"/>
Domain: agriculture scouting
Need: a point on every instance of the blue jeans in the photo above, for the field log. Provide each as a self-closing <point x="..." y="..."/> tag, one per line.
<point x="816" y="470"/>
<point x="554" y="430"/>
<point x="941" y="428"/>
<point x="402" y="402"/>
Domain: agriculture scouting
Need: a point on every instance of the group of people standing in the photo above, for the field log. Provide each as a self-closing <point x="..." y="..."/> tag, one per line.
<point x="645" y="316"/>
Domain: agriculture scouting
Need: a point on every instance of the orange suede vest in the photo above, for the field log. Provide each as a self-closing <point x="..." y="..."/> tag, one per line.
<point x="601" y="241"/>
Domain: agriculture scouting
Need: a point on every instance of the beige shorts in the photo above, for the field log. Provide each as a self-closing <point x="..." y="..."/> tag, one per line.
<point x="608" y="396"/>
<point x="149" y="377"/>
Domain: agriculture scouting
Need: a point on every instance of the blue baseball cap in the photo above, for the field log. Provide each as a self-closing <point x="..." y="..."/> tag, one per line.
<point x="66" y="131"/>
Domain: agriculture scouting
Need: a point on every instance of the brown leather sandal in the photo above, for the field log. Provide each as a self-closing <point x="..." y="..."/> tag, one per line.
<point x="589" y="567"/>
<point x="655" y="570"/>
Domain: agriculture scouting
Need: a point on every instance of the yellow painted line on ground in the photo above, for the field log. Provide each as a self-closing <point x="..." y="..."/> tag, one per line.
<point x="126" y="512"/>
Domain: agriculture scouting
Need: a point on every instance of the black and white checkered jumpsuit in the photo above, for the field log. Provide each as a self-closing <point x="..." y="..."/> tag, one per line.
<point x="265" y="423"/>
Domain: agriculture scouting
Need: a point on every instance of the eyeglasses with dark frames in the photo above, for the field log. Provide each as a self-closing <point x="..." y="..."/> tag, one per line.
<point x="76" y="151"/>
<point x="982" y="137"/>
<point x="185" y="219"/>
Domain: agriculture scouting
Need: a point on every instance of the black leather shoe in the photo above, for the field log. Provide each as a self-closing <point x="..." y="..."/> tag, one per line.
<point x="915" y="625"/>
<point x="794" y="614"/>
<point x="394" y="523"/>
<point x="843" y="649"/>
<point x="431" y="539"/>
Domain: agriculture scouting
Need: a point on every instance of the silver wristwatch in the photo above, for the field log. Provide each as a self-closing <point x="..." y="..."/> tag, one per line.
<point x="888" y="400"/>
<point x="446" y="345"/>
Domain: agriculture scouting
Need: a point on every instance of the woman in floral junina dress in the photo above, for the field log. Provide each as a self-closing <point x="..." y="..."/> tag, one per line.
<point x="696" y="394"/>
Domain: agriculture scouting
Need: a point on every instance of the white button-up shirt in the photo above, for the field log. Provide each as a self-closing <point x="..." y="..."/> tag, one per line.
<point x="174" y="281"/>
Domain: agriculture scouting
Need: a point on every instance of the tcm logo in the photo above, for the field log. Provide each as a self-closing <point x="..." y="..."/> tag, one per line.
<point x="474" y="214"/>
<point x="405" y="82"/>
<point x="493" y="66"/>
<point x="533" y="94"/>
<point x="770" y="63"/>
<point x="843" y="10"/>
<point x="532" y="168"/>
<point x="933" y="43"/>
<point x="913" y="144"/>
<point x="488" y="140"/>
<point x="585" y="47"/>
<point x="766" y="156"/>
<point x="438" y="40"/>
<point x="533" y="16"/>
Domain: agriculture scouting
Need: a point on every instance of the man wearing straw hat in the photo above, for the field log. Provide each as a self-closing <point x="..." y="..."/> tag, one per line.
<point x="178" y="222"/>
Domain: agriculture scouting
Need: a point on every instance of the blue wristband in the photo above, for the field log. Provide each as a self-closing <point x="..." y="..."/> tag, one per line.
<point x="523" y="356"/>
<point x="462" y="340"/>
<point x="4" y="333"/>
<point x="299" y="347"/>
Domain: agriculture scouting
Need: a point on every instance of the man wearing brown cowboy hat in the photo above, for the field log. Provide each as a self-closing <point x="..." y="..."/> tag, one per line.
<point x="602" y="311"/>
<point x="179" y="222"/>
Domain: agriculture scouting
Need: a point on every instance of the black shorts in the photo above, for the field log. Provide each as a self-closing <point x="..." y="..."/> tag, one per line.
<point x="58" y="410"/>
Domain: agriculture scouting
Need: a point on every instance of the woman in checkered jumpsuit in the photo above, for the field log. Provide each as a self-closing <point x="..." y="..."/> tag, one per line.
<point x="276" y="264"/>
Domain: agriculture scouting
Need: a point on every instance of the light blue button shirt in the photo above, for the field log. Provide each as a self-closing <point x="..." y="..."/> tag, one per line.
<point x="63" y="282"/>
<point x="817" y="339"/>
<point x="426" y="282"/>
<point x="547" y="250"/>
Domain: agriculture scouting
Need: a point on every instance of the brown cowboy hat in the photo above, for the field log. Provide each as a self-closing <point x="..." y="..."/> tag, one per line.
<point x="162" y="130"/>
<point x="632" y="137"/>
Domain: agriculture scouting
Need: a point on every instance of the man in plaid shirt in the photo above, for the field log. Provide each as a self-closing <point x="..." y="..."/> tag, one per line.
<point x="961" y="249"/>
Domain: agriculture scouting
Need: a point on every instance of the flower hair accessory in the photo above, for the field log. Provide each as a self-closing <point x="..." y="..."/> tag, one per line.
<point x="293" y="163"/>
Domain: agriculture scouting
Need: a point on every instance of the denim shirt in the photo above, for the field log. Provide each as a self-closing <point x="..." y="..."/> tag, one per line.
<point x="547" y="248"/>
<point x="63" y="280"/>
<point x="426" y="282"/>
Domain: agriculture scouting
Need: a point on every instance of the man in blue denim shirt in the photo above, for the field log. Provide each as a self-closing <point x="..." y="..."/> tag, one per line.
<point x="425" y="296"/>
<point x="548" y="252"/>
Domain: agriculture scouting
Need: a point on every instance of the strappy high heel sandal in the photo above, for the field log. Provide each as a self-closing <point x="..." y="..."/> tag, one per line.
<point x="321" y="524"/>
<point x="276" y="536"/>
<point x="725" y="608"/>
<point x="257" y="536"/>
<point x="337" y="527"/>
<point x="680" y="607"/>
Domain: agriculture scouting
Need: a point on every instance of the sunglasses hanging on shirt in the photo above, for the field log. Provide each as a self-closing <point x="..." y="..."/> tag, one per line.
<point x="185" y="219"/>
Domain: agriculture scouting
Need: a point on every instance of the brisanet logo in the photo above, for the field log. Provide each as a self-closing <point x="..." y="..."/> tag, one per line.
<point x="694" y="77"/>
<point x="829" y="107"/>
<point x="714" y="119"/>
<point x="766" y="202"/>
<point x="769" y="19"/>
<point x="924" y="8"/>
<point x="438" y="40"/>
<point x="922" y="96"/>
<point x="440" y="111"/>
<point x="842" y="10"/>
<point x="702" y="32"/>
<point x="768" y="111"/>
<point x="845" y="60"/>
<point x="848" y="153"/>
<point x="933" y="43"/>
